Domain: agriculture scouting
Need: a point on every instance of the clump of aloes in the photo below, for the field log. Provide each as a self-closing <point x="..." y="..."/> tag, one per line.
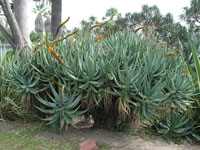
<point x="195" y="75"/>
<point x="50" y="47"/>
<point x="99" y="25"/>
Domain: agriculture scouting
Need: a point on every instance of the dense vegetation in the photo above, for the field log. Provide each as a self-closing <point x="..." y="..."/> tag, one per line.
<point x="117" y="78"/>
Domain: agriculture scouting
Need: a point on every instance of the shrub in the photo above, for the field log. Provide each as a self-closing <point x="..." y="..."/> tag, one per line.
<point x="177" y="125"/>
<point x="9" y="105"/>
<point x="116" y="78"/>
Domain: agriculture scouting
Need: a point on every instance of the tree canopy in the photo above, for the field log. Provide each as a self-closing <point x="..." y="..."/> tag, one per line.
<point x="191" y="15"/>
<point x="163" y="27"/>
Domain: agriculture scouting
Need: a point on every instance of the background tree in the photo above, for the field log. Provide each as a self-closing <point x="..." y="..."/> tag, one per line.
<point x="43" y="12"/>
<point x="163" y="27"/>
<point x="191" y="15"/>
<point x="13" y="34"/>
<point x="20" y="9"/>
<point x="56" y="15"/>
<point x="43" y="2"/>
<point x="111" y="12"/>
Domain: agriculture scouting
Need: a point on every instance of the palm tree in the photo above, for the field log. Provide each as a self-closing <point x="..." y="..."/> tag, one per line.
<point x="56" y="15"/>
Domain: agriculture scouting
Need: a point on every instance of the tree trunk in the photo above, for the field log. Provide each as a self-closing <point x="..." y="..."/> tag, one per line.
<point x="56" y="15"/>
<point x="16" y="37"/>
<point x="21" y="15"/>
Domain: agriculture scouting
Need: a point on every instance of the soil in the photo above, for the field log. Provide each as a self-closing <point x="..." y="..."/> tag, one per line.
<point x="114" y="140"/>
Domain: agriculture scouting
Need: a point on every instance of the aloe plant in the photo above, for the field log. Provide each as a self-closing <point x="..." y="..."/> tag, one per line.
<point x="118" y="76"/>
<point x="9" y="104"/>
<point x="122" y="73"/>
<point x="177" y="125"/>
<point x="23" y="78"/>
<point x="61" y="108"/>
<point x="185" y="123"/>
<point x="195" y="75"/>
<point x="186" y="49"/>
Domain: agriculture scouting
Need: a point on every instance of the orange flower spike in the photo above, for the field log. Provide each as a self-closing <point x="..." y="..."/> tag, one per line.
<point x="60" y="25"/>
<point x="46" y="39"/>
<point x="53" y="52"/>
<point x="103" y="35"/>
<point x="170" y="54"/>
<point x="107" y="21"/>
<point x="96" y="25"/>
<point x="70" y="34"/>
<point x="55" y="55"/>
<point x="99" y="37"/>
<point x="142" y="27"/>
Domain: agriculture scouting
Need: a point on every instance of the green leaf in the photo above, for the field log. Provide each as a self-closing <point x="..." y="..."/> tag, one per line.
<point x="52" y="111"/>
<point x="179" y="130"/>
<point x="74" y="103"/>
<point x="53" y="117"/>
<point x="196" y="136"/>
<point x="196" y="60"/>
<point x="45" y="102"/>
<point x="11" y="101"/>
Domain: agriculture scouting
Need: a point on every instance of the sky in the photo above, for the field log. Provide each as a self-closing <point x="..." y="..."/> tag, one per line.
<point x="83" y="9"/>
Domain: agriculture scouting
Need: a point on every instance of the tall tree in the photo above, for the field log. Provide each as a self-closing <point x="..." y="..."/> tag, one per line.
<point x="14" y="36"/>
<point x="21" y="14"/>
<point x="191" y="15"/>
<point x="161" y="27"/>
<point x="56" y="15"/>
<point x="43" y="12"/>
<point x="164" y="27"/>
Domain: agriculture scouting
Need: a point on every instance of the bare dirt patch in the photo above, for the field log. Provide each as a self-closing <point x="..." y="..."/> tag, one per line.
<point x="110" y="140"/>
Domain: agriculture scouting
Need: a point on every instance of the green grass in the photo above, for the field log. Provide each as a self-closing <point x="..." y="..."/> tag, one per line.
<point x="31" y="129"/>
<point x="103" y="146"/>
<point x="10" y="141"/>
<point x="19" y="142"/>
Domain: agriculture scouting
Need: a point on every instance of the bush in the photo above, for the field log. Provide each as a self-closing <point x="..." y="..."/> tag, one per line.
<point x="3" y="39"/>
<point x="36" y="37"/>
<point x="9" y="103"/>
<point x="114" y="79"/>
<point x="177" y="125"/>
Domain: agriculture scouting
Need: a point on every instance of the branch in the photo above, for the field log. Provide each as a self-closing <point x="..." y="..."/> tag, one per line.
<point x="7" y="35"/>
<point x="197" y="19"/>
<point x="16" y="33"/>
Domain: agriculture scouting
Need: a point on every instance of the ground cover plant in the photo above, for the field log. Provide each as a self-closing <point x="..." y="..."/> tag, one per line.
<point x="116" y="78"/>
